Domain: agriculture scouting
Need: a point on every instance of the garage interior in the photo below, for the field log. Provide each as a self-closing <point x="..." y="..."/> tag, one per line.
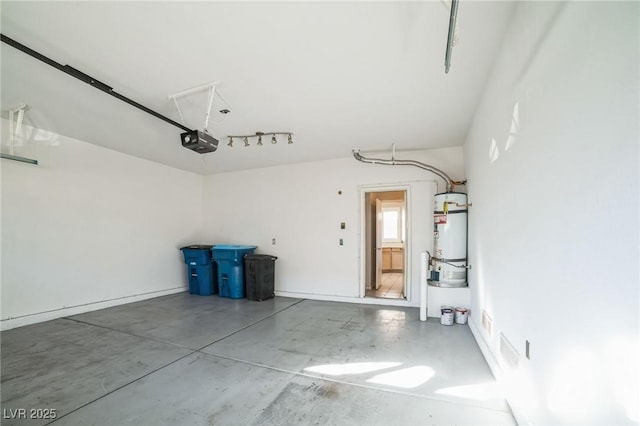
<point x="528" y="109"/>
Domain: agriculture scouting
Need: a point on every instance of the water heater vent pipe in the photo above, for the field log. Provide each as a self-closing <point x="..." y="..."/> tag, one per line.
<point x="393" y="162"/>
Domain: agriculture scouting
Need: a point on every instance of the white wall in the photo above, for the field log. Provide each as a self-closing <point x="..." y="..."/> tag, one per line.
<point x="554" y="223"/>
<point x="300" y="207"/>
<point x="88" y="225"/>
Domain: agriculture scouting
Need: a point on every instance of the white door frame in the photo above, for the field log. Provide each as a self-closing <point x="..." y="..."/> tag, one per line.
<point x="363" y="190"/>
<point x="377" y="278"/>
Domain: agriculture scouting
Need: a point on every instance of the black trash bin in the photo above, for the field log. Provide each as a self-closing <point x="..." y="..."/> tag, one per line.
<point x="259" y="275"/>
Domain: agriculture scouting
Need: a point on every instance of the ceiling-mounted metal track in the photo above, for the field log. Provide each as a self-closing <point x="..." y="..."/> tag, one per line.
<point x="451" y="35"/>
<point x="67" y="69"/>
<point x="18" y="158"/>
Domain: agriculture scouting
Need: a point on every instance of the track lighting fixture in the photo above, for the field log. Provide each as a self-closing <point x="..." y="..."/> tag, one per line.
<point x="258" y="135"/>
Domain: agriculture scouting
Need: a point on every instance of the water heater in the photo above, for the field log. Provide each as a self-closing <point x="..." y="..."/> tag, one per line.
<point x="448" y="262"/>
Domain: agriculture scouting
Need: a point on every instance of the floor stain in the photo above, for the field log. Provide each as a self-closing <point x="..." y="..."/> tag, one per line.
<point x="298" y="402"/>
<point x="328" y="390"/>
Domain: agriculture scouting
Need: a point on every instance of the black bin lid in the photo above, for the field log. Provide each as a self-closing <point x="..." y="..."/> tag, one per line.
<point x="197" y="247"/>
<point x="259" y="257"/>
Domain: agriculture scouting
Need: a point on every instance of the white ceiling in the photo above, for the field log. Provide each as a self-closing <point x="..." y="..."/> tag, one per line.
<point x="339" y="75"/>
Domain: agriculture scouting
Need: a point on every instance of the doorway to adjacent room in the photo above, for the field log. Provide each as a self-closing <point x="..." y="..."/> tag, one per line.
<point x="385" y="251"/>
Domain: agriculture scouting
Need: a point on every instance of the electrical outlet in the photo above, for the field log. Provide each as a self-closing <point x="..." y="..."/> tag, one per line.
<point x="273" y="241"/>
<point x="341" y="242"/>
<point x="343" y="225"/>
<point x="487" y="322"/>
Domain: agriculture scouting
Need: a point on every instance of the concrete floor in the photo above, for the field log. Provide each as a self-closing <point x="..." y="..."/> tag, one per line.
<point x="192" y="360"/>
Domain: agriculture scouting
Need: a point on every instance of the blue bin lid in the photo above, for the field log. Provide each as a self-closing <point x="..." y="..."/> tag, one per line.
<point x="233" y="247"/>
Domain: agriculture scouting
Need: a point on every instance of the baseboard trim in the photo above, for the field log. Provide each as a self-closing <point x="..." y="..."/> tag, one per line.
<point x="484" y="348"/>
<point x="495" y="368"/>
<point x="20" y="321"/>
<point x="361" y="300"/>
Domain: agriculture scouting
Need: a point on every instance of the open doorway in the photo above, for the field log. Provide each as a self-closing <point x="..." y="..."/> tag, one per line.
<point x="385" y="244"/>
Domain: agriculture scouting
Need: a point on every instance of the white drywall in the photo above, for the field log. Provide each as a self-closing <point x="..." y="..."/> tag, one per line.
<point x="300" y="206"/>
<point x="89" y="225"/>
<point x="554" y="223"/>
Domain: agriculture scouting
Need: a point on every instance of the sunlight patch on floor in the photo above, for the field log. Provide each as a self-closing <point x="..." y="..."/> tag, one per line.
<point x="406" y="378"/>
<point x="351" y="368"/>
<point x="477" y="392"/>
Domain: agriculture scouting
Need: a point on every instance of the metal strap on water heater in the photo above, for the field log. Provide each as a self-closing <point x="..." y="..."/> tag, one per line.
<point x="443" y="260"/>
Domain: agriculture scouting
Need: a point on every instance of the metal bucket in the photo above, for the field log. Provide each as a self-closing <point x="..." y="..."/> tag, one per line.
<point x="462" y="314"/>
<point x="446" y="315"/>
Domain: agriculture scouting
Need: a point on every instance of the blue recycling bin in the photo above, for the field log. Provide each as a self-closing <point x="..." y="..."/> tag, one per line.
<point x="229" y="259"/>
<point x="200" y="269"/>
